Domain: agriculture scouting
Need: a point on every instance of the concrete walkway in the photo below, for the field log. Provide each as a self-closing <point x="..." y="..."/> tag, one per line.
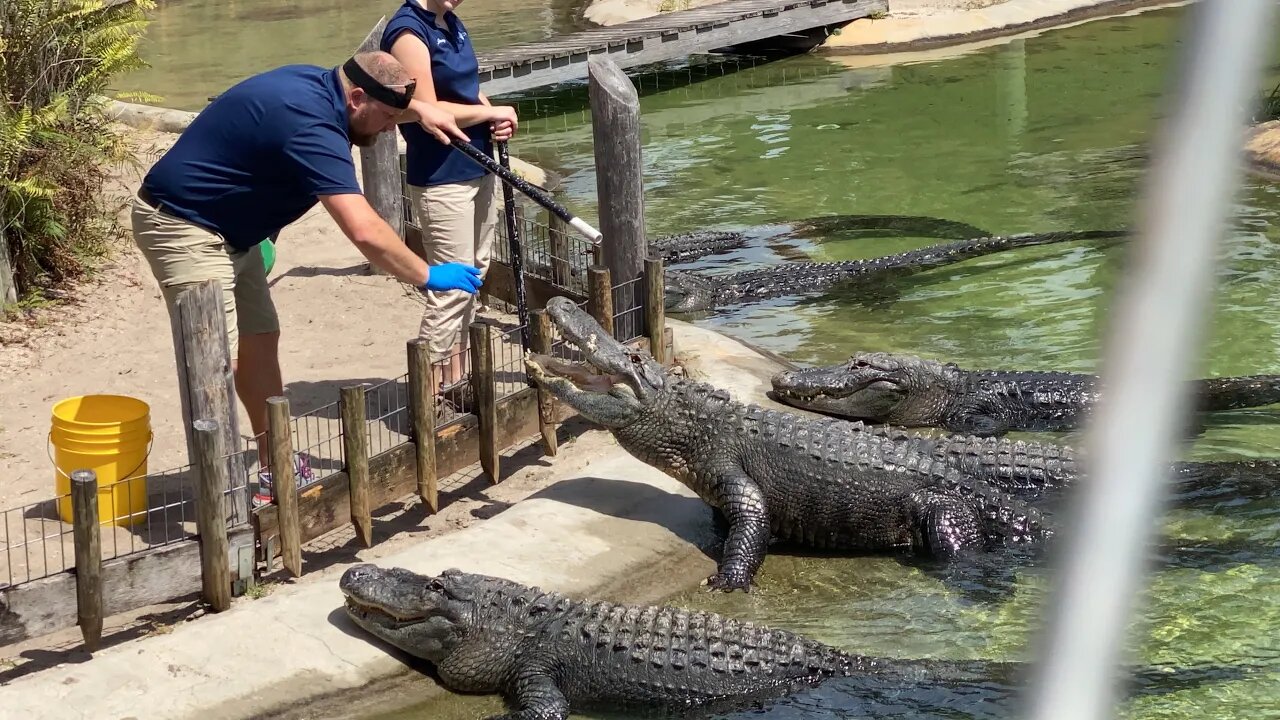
<point x="918" y="26"/>
<point x="606" y="527"/>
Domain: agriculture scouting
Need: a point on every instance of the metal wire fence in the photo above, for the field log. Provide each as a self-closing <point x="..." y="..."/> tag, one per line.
<point x="135" y="514"/>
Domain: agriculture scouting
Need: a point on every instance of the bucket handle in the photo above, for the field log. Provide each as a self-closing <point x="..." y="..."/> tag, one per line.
<point x="48" y="448"/>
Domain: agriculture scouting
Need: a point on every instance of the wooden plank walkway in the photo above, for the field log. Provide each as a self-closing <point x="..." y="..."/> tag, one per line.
<point x="665" y="36"/>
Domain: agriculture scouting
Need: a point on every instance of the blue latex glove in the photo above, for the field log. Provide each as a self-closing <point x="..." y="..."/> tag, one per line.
<point x="453" y="276"/>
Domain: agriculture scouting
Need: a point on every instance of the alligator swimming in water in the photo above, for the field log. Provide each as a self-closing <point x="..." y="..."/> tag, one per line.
<point x="911" y="391"/>
<point x="819" y="482"/>
<point x="693" y="292"/>
<point x="688" y="246"/>
<point x="550" y="655"/>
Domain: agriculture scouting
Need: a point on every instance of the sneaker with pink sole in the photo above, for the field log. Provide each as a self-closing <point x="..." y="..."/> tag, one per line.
<point x="265" y="494"/>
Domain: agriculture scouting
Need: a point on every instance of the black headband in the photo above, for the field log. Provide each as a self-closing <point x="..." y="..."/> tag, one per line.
<point x="377" y="90"/>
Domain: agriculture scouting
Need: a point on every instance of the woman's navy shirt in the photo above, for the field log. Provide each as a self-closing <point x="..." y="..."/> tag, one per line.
<point x="455" y="73"/>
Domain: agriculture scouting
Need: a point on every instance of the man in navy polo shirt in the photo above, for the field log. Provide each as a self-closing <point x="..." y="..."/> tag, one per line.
<point x="256" y="159"/>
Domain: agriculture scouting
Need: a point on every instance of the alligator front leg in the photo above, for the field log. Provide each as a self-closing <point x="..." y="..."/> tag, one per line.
<point x="538" y="698"/>
<point x="742" y="503"/>
<point x="948" y="525"/>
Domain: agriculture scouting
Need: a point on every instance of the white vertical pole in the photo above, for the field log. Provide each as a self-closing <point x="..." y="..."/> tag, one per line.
<point x="1151" y="348"/>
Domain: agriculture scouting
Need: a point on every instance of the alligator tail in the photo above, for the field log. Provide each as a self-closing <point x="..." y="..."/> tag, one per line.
<point x="1233" y="393"/>
<point x="914" y="261"/>
<point x="1011" y="465"/>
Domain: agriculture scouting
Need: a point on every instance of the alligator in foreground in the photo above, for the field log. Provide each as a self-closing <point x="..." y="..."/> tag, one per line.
<point x="549" y="655"/>
<point x="819" y="483"/>
<point x="693" y="292"/>
<point x="910" y="391"/>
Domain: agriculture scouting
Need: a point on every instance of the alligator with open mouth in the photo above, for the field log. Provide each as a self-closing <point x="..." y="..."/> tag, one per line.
<point x="818" y="482"/>
<point x="688" y="291"/>
<point x="911" y="391"/>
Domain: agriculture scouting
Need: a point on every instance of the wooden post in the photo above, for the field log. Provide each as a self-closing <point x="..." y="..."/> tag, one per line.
<point x="482" y="383"/>
<point x="615" y="126"/>
<point x="558" y="238"/>
<point x="655" y="314"/>
<point x="356" y="444"/>
<point x="600" y="297"/>
<point x="207" y="383"/>
<point x="284" y="483"/>
<point x="380" y="164"/>
<point x="422" y="415"/>
<point x="8" y="289"/>
<point x="540" y="328"/>
<point x="88" y="545"/>
<point x="211" y="513"/>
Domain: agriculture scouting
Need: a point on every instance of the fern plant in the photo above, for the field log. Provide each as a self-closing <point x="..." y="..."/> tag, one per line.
<point x="57" y="58"/>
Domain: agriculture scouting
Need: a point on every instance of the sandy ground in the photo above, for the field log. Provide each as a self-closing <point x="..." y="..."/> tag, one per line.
<point x="612" y="12"/>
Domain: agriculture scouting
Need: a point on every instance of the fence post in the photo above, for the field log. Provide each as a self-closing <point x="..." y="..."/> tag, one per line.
<point x="355" y="444"/>
<point x="207" y="384"/>
<point x="284" y="483"/>
<point x="600" y="296"/>
<point x="615" y="127"/>
<point x="380" y="163"/>
<point x="8" y="289"/>
<point x="211" y="513"/>
<point x="540" y="328"/>
<point x="558" y="239"/>
<point x="88" y="547"/>
<point x="483" y="385"/>
<point x="422" y="416"/>
<point x="655" y="314"/>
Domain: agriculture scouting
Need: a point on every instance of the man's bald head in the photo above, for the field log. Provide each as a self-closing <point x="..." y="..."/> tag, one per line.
<point x="366" y="116"/>
<point x="383" y="67"/>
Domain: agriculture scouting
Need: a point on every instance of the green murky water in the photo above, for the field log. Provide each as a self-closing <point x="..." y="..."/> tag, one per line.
<point x="1046" y="133"/>
<point x="198" y="48"/>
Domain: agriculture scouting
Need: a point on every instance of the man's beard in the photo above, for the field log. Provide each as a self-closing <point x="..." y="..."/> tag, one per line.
<point x="362" y="140"/>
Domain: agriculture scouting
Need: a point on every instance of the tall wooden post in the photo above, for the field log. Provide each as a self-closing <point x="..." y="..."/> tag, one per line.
<point x="558" y="239"/>
<point x="615" y="126"/>
<point x="380" y="164"/>
<point x="655" y="309"/>
<point x="284" y="482"/>
<point x="422" y="416"/>
<point x="207" y="385"/>
<point x="211" y="513"/>
<point x="600" y="297"/>
<point x="88" y="547"/>
<point x="356" y="445"/>
<point x="540" y="328"/>
<point x="8" y="290"/>
<point x="483" y="385"/>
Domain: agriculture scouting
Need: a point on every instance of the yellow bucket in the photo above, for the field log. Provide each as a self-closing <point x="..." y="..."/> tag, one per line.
<point x="110" y="435"/>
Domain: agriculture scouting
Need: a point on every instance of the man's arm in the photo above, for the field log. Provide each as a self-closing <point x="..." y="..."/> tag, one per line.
<point x="374" y="238"/>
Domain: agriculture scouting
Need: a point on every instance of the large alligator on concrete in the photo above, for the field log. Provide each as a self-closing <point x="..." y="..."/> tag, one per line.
<point x="911" y="391"/>
<point x="694" y="292"/>
<point x="550" y="655"/>
<point x="817" y="482"/>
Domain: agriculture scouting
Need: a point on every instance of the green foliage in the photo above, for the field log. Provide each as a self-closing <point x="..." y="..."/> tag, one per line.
<point x="57" y="58"/>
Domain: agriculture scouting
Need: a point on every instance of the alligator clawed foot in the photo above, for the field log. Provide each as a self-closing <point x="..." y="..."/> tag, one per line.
<point x="727" y="583"/>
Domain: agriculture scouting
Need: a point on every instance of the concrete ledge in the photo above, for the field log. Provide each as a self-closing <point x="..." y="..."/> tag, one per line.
<point x="578" y="536"/>
<point x="1262" y="150"/>
<point x="901" y="33"/>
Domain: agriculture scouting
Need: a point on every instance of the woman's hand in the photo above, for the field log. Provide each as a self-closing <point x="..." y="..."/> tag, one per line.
<point x="502" y="122"/>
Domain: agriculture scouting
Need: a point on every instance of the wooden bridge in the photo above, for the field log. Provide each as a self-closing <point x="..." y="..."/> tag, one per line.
<point x="665" y="36"/>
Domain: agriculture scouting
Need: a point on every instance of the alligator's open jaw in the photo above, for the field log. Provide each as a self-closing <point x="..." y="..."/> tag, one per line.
<point x="583" y="375"/>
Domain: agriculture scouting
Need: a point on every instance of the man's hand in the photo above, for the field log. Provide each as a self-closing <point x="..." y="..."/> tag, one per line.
<point x="502" y="122"/>
<point x="439" y="122"/>
<point x="453" y="276"/>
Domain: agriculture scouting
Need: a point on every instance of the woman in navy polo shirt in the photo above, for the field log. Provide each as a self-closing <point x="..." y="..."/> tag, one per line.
<point x="454" y="199"/>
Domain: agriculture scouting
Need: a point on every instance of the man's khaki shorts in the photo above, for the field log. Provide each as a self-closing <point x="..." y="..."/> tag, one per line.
<point x="181" y="253"/>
